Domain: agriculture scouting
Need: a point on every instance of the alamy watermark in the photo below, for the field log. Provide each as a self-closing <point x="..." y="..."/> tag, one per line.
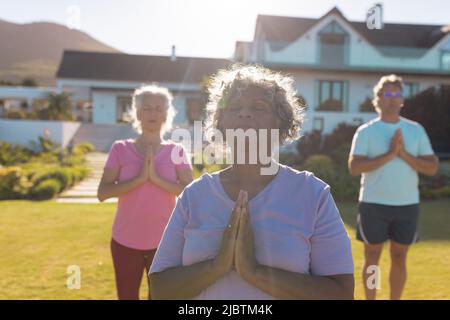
<point x="74" y="279"/>
<point x="73" y="17"/>
<point x="238" y="146"/>
<point x="374" y="17"/>
<point x="374" y="280"/>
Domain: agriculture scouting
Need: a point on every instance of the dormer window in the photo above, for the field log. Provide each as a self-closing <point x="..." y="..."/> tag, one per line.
<point x="333" y="48"/>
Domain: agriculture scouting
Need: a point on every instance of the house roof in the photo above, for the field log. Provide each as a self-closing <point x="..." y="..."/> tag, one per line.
<point x="283" y="30"/>
<point x="139" y="68"/>
<point x="291" y="68"/>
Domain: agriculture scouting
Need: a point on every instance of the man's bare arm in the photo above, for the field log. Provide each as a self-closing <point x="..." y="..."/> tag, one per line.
<point x="359" y="164"/>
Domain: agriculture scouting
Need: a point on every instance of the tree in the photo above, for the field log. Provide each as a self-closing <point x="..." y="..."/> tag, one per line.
<point x="59" y="107"/>
<point x="431" y="108"/>
<point x="367" y="106"/>
<point x="29" y="82"/>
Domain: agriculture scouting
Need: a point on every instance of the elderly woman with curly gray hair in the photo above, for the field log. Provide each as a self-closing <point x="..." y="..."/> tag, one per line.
<point x="241" y="234"/>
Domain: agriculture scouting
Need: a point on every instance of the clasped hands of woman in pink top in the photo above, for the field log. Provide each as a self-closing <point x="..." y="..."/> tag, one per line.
<point x="148" y="172"/>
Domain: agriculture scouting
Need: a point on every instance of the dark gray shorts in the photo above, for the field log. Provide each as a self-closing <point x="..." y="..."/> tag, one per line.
<point x="377" y="223"/>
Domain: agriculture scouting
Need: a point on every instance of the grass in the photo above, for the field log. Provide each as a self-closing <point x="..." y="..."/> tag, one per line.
<point x="39" y="240"/>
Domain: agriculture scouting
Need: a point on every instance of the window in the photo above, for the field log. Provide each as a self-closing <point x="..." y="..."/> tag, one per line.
<point x="410" y="89"/>
<point x="445" y="60"/>
<point x="332" y="95"/>
<point x="83" y="110"/>
<point x="333" y="45"/>
<point x="318" y="123"/>
<point x="123" y="107"/>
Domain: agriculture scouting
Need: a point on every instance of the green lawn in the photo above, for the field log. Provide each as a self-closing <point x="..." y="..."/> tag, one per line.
<point x="39" y="240"/>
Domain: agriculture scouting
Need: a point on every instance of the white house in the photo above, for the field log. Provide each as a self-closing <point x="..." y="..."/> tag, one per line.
<point x="102" y="83"/>
<point x="337" y="62"/>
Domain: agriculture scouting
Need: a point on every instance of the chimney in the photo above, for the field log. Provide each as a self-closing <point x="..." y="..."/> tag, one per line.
<point x="173" y="57"/>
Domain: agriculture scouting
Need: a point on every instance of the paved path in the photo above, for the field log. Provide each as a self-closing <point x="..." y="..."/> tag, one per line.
<point x="86" y="190"/>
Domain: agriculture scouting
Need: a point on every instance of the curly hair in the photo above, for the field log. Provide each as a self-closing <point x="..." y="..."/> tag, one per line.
<point x="382" y="83"/>
<point x="279" y="89"/>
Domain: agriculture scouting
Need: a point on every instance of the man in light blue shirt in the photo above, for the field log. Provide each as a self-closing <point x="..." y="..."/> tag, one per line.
<point x="389" y="152"/>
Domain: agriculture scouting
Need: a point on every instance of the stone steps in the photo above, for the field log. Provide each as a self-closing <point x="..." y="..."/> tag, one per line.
<point x="101" y="136"/>
<point x="86" y="190"/>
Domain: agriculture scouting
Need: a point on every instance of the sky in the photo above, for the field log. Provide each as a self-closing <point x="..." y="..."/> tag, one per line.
<point x="200" y="28"/>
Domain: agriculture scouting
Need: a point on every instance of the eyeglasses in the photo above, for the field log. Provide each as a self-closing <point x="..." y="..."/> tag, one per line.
<point x="392" y="95"/>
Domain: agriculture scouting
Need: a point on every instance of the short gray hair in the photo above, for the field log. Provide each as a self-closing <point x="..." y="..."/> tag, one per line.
<point x="155" y="90"/>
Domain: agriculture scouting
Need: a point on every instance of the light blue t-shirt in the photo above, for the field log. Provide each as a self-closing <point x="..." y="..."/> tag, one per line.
<point x="396" y="182"/>
<point x="296" y="227"/>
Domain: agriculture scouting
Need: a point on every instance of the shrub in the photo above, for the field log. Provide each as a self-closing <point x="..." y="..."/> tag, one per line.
<point x="46" y="189"/>
<point x="29" y="82"/>
<point x="431" y="108"/>
<point x="47" y="145"/>
<point x="36" y="168"/>
<point x="289" y="158"/>
<point x="367" y="105"/>
<point x="340" y="153"/>
<point x="443" y="192"/>
<point x="63" y="175"/>
<point x="73" y="160"/>
<point x="15" y="114"/>
<point x="83" y="148"/>
<point x="332" y="144"/>
<point x="67" y="176"/>
<point x="309" y="144"/>
<point x="341" y="135"/>
<point x="79" y="173"/>
<point x="343" y="185"/>
<point x="321" y="165"/>
<point x="13" y="183"/>
<point x="427" y="193"/>
<point x="59" y="107"/>
<point x="13" y="154"/>
<point x="199" y="169"/>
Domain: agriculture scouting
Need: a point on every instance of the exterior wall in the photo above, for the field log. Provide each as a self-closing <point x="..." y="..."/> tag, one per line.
<point x="23" y="132"/>
<point x="28" y="94"/>
<point x="360" y="87"/>
<point x="332" y="119"/>
<point x="361" y="53"/>
<point x="104" y="102"/>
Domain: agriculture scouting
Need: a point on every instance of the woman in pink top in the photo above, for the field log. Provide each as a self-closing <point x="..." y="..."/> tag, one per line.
<point x="143" y="176"/>
<point x="244" y="232"/>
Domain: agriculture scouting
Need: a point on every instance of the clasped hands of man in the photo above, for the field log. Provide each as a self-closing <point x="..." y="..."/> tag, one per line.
<point x="397" y="144"/>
